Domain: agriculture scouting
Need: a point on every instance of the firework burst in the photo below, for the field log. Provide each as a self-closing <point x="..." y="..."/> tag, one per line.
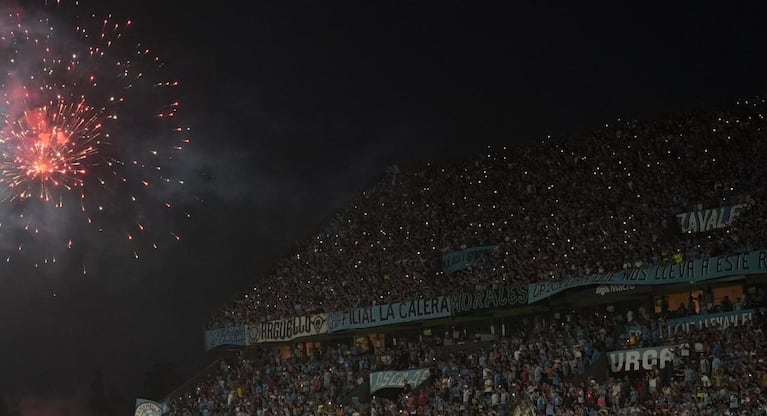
<point x="89" y="135"/>
<point x="48" y="149"/>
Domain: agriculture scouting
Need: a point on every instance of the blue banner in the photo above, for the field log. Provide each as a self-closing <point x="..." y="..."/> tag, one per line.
<point x="456" y="260"/>
<point x="493" y="298"/>
<point x="389" y="314"/>
<point x="234" y="336"/>
<point x="709" y="219"/>
<point x="690" y="271"/>
<point x="721" y="320"/>
<point x="396" y="379"/>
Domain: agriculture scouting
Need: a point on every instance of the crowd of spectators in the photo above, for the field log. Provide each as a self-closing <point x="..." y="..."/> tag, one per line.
<point x="596" y="202"/>
<point x="600" y="201"/>
<point x="549" y="366"/>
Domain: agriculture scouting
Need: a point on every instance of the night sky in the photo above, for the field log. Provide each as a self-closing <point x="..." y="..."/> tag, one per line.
<point x="296" y="108"/>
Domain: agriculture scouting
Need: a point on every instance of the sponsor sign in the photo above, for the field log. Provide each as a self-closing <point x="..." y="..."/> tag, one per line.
<point x="287" y="329"/>
<point x="457" y="260"/>
<point x="499" y="297"/>
<point x="709" y="219"/>
<point x="389" y="314"/>
<point x="601" y="294"/>
<point x="606" y="289"/>
<point x="690" y="271"/>
<point x="396" y="379"/>
<point x="234" y="336"/>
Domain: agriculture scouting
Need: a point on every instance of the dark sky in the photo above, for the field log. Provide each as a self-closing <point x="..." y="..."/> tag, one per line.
<point x="296" y="108"/>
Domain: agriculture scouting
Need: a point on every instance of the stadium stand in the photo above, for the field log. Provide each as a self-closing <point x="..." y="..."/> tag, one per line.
<point x="571" y="206"/>
<point x="711" y="371"/>
<point x="673" y="208"/>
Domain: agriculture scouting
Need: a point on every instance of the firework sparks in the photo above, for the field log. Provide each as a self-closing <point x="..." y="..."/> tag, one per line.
<point x="89" y="118"/>
<point x="48" y="148"/>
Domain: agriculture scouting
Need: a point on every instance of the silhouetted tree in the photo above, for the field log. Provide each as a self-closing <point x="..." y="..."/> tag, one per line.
<point x="119" y="403"/>
<point x="98" y="398"/>
<point x="160" y="380"/>
<point x="8" y="406"/>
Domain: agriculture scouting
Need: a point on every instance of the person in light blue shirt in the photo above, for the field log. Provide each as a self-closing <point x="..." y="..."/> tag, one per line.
<point x="540" y="403"/>
<point x="716" y="364"/>
<point x="734" y="401"/>
<point x="689" y="375"/>
<point x="538" y="374"/>
<point x="556" y="379"/>
<point x="717" y="350"/>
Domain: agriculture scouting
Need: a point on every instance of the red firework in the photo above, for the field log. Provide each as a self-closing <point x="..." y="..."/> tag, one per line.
<point x="61" y="139"/>
<point x="49" y="148"/>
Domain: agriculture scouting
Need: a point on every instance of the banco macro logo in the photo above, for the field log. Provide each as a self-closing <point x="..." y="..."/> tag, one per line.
<point x="605" y="289"/>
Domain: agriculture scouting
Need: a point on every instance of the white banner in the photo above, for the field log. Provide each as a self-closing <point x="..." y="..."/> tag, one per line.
<point x="287" y="329"/>
<point x="640" y="359"/>
<point x="709" y="219"/>
<point x="721" y="320"/>
<point x="396" y="379"/>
